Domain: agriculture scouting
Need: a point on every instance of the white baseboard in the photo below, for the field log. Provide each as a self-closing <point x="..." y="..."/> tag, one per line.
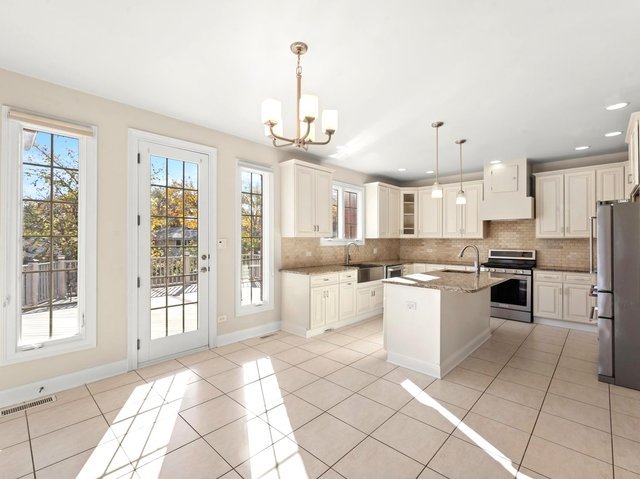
<point x="249" y="333"/>
<point x="56" y="384"/>
<point x="447" y="366"/>
<point x="419" y="365"/>
<point x="589" y="328"/>
<point x="439" y="370"/>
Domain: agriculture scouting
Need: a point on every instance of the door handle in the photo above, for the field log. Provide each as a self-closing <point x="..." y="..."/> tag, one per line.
<point x="591" y="255"/>
<point x="593" y="310"/>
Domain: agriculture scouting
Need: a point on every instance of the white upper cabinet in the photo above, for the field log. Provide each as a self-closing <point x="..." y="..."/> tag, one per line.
<point x="429" y="214"/>
<point x="395" y="228"/>
<point x="382" y="205"/>
<point x="610" y="182"/>
<point x="462" y="221"/>
<point x="550" y="206"/>
<point x="566" y="199"/>
<point x="305" y="200"/>
<point x="579" y="203"/>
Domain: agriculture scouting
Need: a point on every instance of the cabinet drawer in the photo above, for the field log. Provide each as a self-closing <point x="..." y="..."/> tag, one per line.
<point x="580" y="278"/>
<point x="347" y="276"/>
<point x="323" y="279"/>
<point x="547" y="276"/>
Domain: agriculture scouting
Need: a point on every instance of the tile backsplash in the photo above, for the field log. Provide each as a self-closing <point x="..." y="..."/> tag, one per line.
<point x="551" y="253"/>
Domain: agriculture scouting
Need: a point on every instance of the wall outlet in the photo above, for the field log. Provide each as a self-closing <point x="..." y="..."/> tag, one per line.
<point x="308" y="253"/>
<point x="222" y="243"/>
<point x="411" y="305"/>
<point x="375" y="250"/>
<point x="222" y="318"/>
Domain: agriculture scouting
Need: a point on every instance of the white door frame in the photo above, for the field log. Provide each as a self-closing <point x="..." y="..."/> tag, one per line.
<point x="134" y="138"/>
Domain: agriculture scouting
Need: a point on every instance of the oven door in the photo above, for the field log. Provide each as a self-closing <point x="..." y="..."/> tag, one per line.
<point x="514" y="293"/>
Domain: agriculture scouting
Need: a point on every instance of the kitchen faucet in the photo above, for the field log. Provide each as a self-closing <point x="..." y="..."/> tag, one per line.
<point x="347" y="256"/>
<point x="476" y="263"/>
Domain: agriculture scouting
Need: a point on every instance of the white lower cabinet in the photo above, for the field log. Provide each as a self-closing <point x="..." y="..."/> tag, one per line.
<point x="563" y="296"/>
<point x="347" y="300"/>
<point x="324" y="306"/>
<point x="369" y="297"/>
<point x="312" y="304"/>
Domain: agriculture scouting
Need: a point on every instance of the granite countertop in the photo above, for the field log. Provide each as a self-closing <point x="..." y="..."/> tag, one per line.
<point x="564" y="270"/>
<point x="311" y="270"/>
<point x="457" y="282"/>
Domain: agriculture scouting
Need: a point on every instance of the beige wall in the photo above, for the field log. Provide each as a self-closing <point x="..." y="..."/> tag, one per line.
<point x="113" y="120"/>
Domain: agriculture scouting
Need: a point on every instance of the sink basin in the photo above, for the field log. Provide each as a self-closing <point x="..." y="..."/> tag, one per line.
<point x="456" y="271"/>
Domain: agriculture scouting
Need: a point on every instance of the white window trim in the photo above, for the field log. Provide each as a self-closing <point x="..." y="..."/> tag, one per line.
<point x="268" y="243"/>
<point x="340" y="241"/>
<point x="10" y="245"/>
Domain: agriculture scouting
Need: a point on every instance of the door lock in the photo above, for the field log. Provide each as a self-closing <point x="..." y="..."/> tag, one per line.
<point x="204" y="269"/>
<point x="205" y="256"/>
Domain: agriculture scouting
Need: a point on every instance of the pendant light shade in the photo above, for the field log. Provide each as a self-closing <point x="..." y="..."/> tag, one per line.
<point x="461" y="198"/>
<point x="436" y="190"/>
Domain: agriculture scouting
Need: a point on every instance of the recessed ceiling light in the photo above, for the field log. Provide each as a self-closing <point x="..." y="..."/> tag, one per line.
<point x="584" y="147"/>
<point x="613" y="133"/>
<point x="402" y="169"/>
<point x="617" y="106"/>
<point x="495" y="162"/>
<point x="430" y="172"/>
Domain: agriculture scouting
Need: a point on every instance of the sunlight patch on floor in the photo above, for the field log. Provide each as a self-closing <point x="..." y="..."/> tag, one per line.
<point x="427" y="400"/>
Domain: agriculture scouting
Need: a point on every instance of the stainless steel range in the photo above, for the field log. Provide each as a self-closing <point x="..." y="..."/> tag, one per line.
<point x="512" y="299"/>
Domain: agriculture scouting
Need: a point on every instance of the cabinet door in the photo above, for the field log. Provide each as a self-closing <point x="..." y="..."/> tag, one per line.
<point x="547" y="300"/>
<point x="383" y="212"/>
<point x="331" y="304"/>
<point x="377" y="297"/>
<point x="634" y="153"/>
<point x="610" y="183"/>
<point x="472" y="224"/>
<point x="316" y="318"/>
<point x="550" y="206"/>
<point x="394" y="213"/>
<point x="363" y="300"/>
<point x="577" y="303"/>
<point x="408" y="213"/>
<point x="305" y="201"/>
<point x="451" y="213"/>
<point x="579" y="203"/>
<point x="429" y="215"/>
<point x="347" y="300"/>
<point x="322" y="199"/>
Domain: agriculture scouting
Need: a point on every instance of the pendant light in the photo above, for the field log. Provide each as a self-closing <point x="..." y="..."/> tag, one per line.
<point x="436" y="190"/>
<point x="461" y="198"/>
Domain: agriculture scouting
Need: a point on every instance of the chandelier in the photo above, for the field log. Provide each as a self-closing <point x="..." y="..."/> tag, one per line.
<point x="306" y="113"/>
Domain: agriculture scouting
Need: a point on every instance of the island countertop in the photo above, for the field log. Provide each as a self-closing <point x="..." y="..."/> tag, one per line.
<point x="461" y="282"/>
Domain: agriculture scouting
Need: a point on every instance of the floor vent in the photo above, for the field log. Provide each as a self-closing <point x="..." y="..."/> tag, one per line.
<point x="267" y="336"/>
<point x="26" y="405"/>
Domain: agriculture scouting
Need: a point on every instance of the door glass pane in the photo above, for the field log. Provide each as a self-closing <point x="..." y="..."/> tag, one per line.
<point x="174" y="252"/>
<point x="49" y="288"/>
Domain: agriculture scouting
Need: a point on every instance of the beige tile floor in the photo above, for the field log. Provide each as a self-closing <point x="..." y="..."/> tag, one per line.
<point x="525" y="404"/>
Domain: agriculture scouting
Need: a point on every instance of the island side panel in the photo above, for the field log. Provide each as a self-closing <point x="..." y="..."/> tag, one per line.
<point x="295" y="303"/>
<point x="412" y="327"/>
<point x="465" y="325"/>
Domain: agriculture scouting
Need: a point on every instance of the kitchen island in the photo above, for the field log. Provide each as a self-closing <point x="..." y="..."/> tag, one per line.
<point x="432" y="322"/>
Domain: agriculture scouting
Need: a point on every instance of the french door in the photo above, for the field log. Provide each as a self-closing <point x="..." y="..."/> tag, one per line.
<point x="173" y="251"/>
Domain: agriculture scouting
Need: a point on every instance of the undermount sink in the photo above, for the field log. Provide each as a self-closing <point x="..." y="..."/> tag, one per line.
<point x="456" y="271"/>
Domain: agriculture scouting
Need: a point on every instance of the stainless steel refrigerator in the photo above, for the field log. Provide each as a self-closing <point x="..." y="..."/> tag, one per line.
<point x="618" y="292"/>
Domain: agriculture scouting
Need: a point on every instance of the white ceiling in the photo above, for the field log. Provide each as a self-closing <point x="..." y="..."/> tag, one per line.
<point x="516" y="78"/>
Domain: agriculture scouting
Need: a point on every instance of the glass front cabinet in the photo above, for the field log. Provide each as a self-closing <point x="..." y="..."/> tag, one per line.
<point x="408" y="213"/>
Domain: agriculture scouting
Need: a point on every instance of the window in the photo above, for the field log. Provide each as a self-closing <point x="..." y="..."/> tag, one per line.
<point x="347" y="208"/>
<point x="255" y="248"/>
<point x="48" y="248"/>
